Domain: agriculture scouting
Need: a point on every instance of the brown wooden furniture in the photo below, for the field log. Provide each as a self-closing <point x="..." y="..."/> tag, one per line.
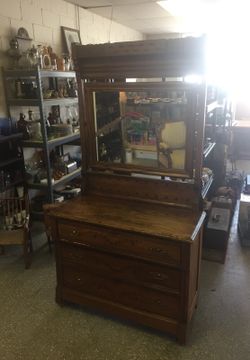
<point x="14" y="230"/>
<point x="131" y="245"/>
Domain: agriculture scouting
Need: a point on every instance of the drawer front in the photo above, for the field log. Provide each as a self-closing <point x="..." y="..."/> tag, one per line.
<point x="121" y="293"/>
<point x="122" y="268"/>
<point x="122" y="242"/>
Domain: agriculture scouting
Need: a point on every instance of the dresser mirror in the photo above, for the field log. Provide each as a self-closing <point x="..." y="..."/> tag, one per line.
<point x="143" y="127"/>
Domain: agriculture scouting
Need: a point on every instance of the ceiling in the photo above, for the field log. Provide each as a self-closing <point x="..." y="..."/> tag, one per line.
<point x="148" y="17"/>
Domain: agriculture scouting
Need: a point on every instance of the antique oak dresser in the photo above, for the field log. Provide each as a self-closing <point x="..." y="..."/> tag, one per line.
<point x="131" y="244"/>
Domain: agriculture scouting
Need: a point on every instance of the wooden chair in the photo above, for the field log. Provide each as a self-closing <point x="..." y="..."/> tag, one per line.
<point x="14" y="227"/>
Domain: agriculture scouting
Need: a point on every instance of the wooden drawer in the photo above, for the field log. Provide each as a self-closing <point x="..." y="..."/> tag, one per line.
<point x="120" y="292"/>
<point x="159" y="250"/>
<point x="122" y="268"/>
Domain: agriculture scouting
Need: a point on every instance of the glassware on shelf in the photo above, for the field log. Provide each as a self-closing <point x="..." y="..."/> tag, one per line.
<point x="75" y="118"/>
<point x="34" y="127"/>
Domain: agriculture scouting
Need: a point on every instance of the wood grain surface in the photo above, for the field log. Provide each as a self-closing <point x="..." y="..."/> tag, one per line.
<point x="140" y="217"/>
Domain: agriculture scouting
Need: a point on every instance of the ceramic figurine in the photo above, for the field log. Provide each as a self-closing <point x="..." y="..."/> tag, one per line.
<point x="71" y="89"/>
<point x="14" y="52"/>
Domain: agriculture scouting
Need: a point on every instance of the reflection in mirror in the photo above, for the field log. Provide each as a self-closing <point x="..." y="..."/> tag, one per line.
<point x="145" y="128"/>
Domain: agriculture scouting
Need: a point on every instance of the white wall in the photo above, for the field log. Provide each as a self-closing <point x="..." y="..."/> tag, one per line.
<point x="43" y="18"/>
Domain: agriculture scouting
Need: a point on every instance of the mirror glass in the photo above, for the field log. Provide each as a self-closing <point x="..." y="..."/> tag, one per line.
<point x="142" y="128"/>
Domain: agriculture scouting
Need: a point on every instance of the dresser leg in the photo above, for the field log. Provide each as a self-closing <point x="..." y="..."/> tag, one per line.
<point x="59" y="299"/>
<point x="182" y="335"/>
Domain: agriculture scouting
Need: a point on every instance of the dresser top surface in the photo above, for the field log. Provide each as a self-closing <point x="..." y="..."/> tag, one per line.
<point x="126" y="215"/>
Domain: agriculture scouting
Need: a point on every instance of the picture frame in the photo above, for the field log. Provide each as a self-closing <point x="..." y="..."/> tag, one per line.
<point x="70" y="36"/>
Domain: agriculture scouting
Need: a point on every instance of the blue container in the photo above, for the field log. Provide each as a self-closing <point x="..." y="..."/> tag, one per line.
<point x="6" y="126"/>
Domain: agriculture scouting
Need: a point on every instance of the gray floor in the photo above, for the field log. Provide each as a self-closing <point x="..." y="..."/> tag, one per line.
<point x="33" y="326"/>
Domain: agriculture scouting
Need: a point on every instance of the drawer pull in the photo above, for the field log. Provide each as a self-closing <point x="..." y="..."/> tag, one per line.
<point x="158" y="250"/>
<point x="79" y="279"/>
<point x="75" y="232"/>
<point x="159" y="275"/>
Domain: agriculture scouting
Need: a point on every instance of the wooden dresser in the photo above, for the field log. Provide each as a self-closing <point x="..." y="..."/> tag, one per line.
<point x="136" y="260"/>
<point x="131" y="244"/>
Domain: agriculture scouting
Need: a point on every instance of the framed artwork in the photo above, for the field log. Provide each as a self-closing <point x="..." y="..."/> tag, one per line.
<point x="70" y="36"/>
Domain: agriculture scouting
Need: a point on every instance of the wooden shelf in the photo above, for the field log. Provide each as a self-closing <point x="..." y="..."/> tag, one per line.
<point x="52" y="143"/>
<point x="111" y="126"/>
<point x="61" y="181"/>
<point x="142" y="147"/>
<point x="168" y="103"/>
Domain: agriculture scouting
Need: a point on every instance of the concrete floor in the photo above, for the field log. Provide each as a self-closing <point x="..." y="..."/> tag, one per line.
<point x="33" y="326"/>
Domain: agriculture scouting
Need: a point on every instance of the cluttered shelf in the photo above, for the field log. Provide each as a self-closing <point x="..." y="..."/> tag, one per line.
<point x="47" y="102"/>
<point x="14" y="183"/>
<point x="15" y="136"/>
<point x="64" y="179"/>
<point x="10" y="161"/>
<point x="26" y="73"/>
<point x="53" y="142"/>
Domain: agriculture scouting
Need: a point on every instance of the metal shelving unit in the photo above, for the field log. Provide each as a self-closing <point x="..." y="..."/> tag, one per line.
<point x="62" y="180"/>
<point x="10" y="161"/>
<point x="14" y="162"/>
<point x="11" y="137"/>
<point x="54" y="142"/>
<point x="37" y="75"/>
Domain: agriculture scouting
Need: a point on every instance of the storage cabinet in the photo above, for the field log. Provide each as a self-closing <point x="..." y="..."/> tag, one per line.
<point x="131" y="244"/>
<point x="46" y="104"/>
